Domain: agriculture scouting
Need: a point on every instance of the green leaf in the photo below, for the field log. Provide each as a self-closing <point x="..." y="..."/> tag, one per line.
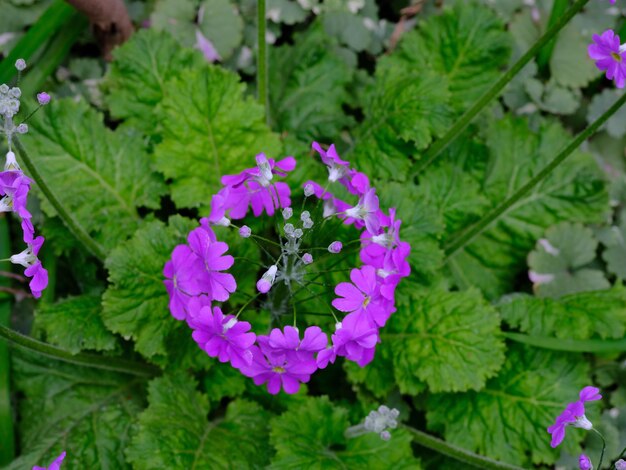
<point x="136" y="303"/>
<point x="222" y="25"/>
<point x="600" y="103"/>
<point x="209" y="129"/>
<point x="309" y="86"/>
<point x="559" y="263"/>
<point x="311" y="435"/>
<point x="566" y="65"/>
<point x="176" y="17"/>
<point x="285" y="11"/>
<point x="101" y="176"/>
<point x="174" y="433"/>
<point x="348" y="28"/>
<point x="467" y="46"/>
<point x="507" y="420"/>
<point x="615" y="252"/>
<point x="404" y="110"/>
<point x="575" y="316"/>
<point x="75" y="324"/>
<point x="135" y="83"/>
<point x="575" y="191"/>
<point x="86" y="412"/>
<point x="377" y="376"/>
<point x="450" y="340"/>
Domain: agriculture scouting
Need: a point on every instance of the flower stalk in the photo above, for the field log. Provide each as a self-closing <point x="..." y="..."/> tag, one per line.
<point x="261" y="69"/>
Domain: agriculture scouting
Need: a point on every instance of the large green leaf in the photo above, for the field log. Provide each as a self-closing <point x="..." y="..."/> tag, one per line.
<point x="508" y="419"/>
<point x="209" y="129"/>
<point x="85" y="412"/>
<point x="467" y="46"/>
<point x="575" y="191"/>
<point x="311" y="435"/>
<point x="576" y="316"/>
<point x="136" y="302"/>
<point x="174" y="432"/>
<point x="221" y="24"/>
<point x="100" y="176"/>
<point x="136" y="80"/>
<point x="450" y="340"/>
<point x="75" y="324"/>
<point x="308" y="87"/>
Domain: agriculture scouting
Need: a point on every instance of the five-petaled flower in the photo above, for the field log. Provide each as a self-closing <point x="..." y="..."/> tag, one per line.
<point x="573" y="415"/>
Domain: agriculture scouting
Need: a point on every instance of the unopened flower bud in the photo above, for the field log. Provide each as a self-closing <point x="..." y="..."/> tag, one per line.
<point x="308" y="190"/>
<point x="4" y="88"/>
<point x="305" y="215"/>
<point x="265" y="170"/>
<point x="620" y="464"/>
<point x="43" y="98"/>
<point x="308" y="223"/>
<point x="584" y="462"/>
<point x="287" y="213"/>
<point x="307" y="258"/>
<point x="297" y="233"/>
<point x="245" y="231"/>
<point x="15" y="92"/>
<point x="20" y="64"/>
<point x="11" y="163"/>
<point x="335" y="247"/>
<point x="265" y="283"/>
<point x="289" y="228"/>
<point x="22" y="129"/>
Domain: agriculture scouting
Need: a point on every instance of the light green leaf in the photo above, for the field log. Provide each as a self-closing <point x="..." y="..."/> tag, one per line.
<point x="75" y="324"/>
<point x="467" y="46"/>
<point x="174" y="433"/>
<point x="404" y="111"/>
<point x="100" y="176"/>
<point x="575" y="191"/>
<point x="615" y="252"/>
<point x="508" y="419"/>
<point x="308" y="87"/>
<point x="135" y="83"/>
<point x="559" y="263"/>
<point x="176" y="17"/>
<point x="575" y="316"/>
<point x="348" y="28"/>
<point x="86" y="412"/>
<point x="450" y="340"/>
<point x="209" y="129"/>
<point x="285" y="11"/>
<point x="600" y="103"/>
<point x="570" y="64"/>
<point x="311" y="435"/>
<point x="222" y="25"/>
<point x="136" y="302"/>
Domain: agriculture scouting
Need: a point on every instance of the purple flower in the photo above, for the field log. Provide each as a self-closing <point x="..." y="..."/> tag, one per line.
<point x="223" y="337"/>
<point x="307" y="258"/>
<point x="584" y="462"/>
<point x="34" y="269"/>
<point x="43" y="98"/>
<point x="574" y="414"/>
<point x="287" y="343"/>
<point x="620" y="464"/>
<point x="335" y="247"/>
<point x="337" y="168"/>
<point x="610" y="56"/>
<point x="288" y="371"/>
<point x="363" y="297"/>
<point x="56" y="465"/>
<point x="245" y="232"/>
<point x="216" y="284"/>
<point x="14" y="186"/>
<point x="367" y="210"/>
<point x="267" y="280"/>
<point x="182" y="273"/>
<point x="355" y="339"/>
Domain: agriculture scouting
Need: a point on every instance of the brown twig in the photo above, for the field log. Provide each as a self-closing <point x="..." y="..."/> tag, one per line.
<point x="19" y="294"/>
<point x="398" y="31"/>
<point x="11" y="275"/>
<point x="109" y="20"/>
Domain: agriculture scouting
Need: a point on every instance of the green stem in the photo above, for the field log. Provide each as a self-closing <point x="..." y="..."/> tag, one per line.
<point x="68" y="219"/>
<point x="7" y="440"/>
<point x="435" y="150"/>
<point x="261" y="66"/>
<point x="558" y="8"/>
<point x="457" y="453"/>
<point x="465" y="237"/>
<point x="599" y="346"/>
<point x="603" y="447"/>
<point x="95" y="361"/>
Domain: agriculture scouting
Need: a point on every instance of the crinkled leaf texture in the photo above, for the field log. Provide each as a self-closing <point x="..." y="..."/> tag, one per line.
<point x="508" y="419"/>
<point x="310" y="435"/>
<point x="574" y="191"/>
<point x="560" y="262"/>
<point x="404" y="110"/>
<point x="136" y="303"/>
<point x="135" y="83"/>
<point x="209" y="129"/>
<point x="75" y="324"/>
<point x="308" y="87"/>
<point x="100" y="176"/>
<point x="450" y="340"/>
<point x="575" y="316"/>
<point x="467" y="46"/>
<point x="174" y="432"/>
<point x="86" y="412"/>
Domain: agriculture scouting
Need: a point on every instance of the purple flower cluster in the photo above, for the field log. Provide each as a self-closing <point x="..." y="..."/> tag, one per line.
<point x="574" y="415"/>
<point x="197" y="278"/>
<point x="609" y="55"/>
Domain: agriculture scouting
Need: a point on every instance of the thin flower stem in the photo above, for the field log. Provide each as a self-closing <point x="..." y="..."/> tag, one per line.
<point x="439" y="146"/>
<point x="84" y="359"/>
<point x="7" y="435"/>
<point x="603" y="447"/>
<point x="68" y="219"/>
<point x="261" y="66"/>
<point x="457" y="453"/>
<point x="252" y="299"/>
<point x="465" y="237"/>
<point x="266" y="240"/>
<point x="543" y="58"/>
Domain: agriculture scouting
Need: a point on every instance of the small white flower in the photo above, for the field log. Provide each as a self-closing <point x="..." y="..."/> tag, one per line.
<point x="20" y="64"/>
